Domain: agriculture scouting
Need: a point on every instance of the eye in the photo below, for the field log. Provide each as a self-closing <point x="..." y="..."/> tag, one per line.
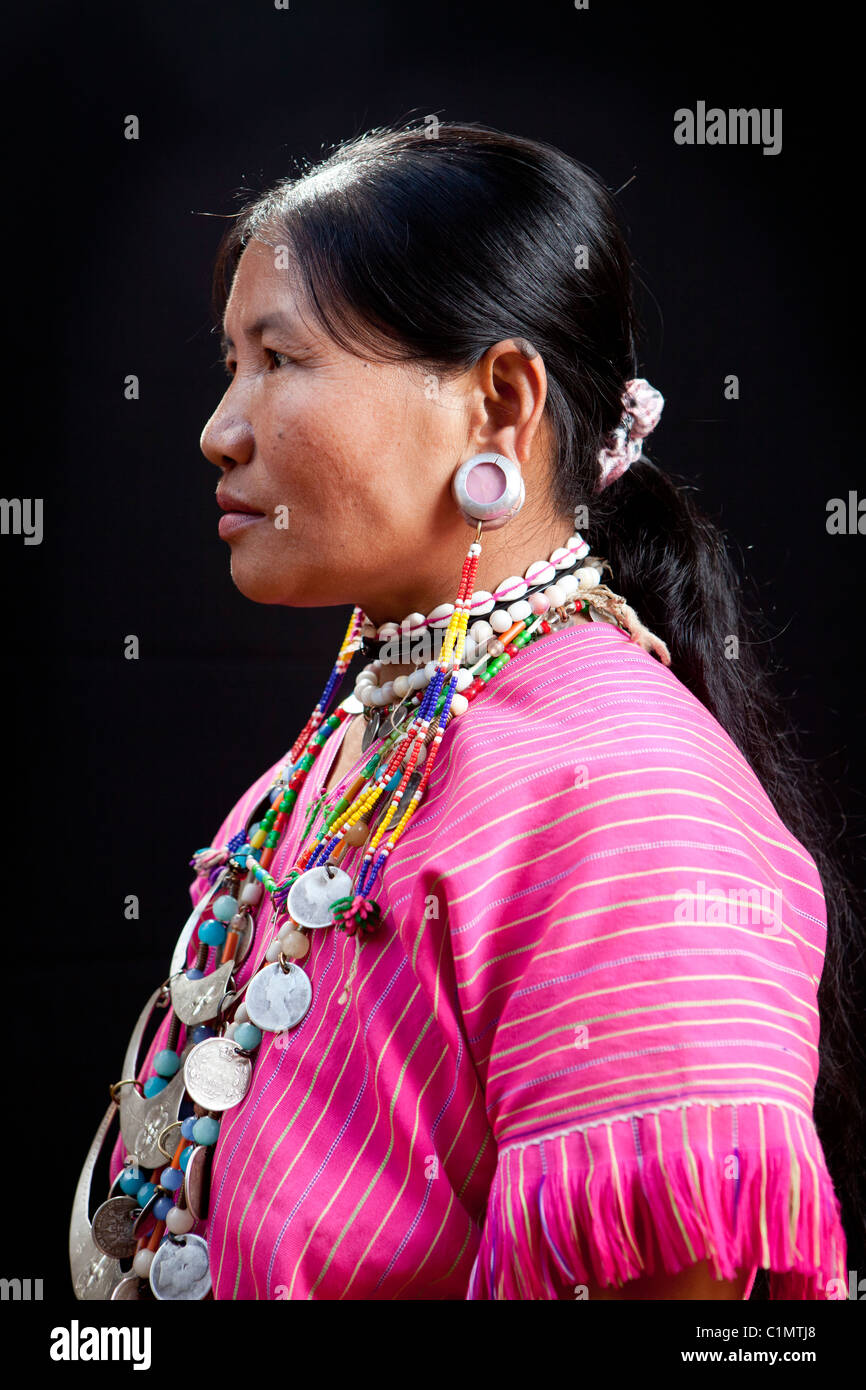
<point x="279" y="359"/>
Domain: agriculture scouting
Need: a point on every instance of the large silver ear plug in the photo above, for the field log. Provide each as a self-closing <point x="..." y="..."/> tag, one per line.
<point x="488" y="488"/>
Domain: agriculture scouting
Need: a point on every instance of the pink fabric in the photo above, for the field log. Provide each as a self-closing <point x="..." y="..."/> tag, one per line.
<point x="573" y="1054"/>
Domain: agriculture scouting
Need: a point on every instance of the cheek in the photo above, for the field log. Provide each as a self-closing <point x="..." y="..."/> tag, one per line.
<point x="359" y="451"/>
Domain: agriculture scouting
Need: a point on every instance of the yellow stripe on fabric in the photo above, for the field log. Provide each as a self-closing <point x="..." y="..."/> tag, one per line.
<point x="279" y="1100"/>
<point x="693" y="1170"/>
<point x="475" y="1162"/>
<point x="794" y="1197"/>
<point x="615" y="1169"/>
<point x="607" y="1085"/>
<point x="588" y="1184"/>
<point x="441" y="1278"/>
<point x="418" y="1099"/>
<point x="816" y="1204"/>
<point x="452" y="808"/>
<point x="515" y="980"/>
<point x="762" y="1210"/>
<point x="509" y="1212"/>
<point x="742" y="826"/>
<point x="619" y="905"/>
<point x="617" y="1097"/>
<point x="324" y="1102"/>
<point x="527" y="833"/>
<point x="496" y="1051"/>
<point x="716" y="751"/>
<point x="285" y="1175"/>
<point x="383" y="1165"/>
<point x="674" y="1207"/>
<point x="566" y="1197"/>
<point x="625" y="1117"/>
<point x="653" y="1008"/>
<point x="527" y="1224"/>
<point x="444" y="935"/>
<point x="586" y="741"/>
<point x="434" y="1242"/>
<point x="574" y="887"/>
<point x="470" y="1106"/>
<point x="671" y="1027"/>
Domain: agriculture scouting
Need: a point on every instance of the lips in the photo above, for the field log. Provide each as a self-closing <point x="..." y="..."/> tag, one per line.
<point x="227" y="503"/>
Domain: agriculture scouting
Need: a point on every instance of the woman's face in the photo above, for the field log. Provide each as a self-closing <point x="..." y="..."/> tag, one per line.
<point x="345" y="464"/>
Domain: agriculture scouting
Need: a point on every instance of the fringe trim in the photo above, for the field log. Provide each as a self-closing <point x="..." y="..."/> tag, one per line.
<point x="614" y="606"/>
<point x="620" y="1199"/>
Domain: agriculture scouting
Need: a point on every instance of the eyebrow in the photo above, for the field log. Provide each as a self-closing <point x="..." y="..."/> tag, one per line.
<point x="261" y="325"/>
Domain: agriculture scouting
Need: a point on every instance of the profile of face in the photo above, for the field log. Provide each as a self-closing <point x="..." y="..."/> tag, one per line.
<point x="344" y="465"/>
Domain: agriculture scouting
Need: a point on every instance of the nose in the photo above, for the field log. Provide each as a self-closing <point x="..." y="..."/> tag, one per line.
<point x="227" y="438"/>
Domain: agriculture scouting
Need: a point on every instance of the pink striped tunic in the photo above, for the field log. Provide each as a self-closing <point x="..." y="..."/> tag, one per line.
<point x="583" y="1045"/>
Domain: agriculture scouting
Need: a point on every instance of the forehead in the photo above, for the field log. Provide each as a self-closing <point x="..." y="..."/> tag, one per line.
<point x="265" y="293"/>
<point x="264" y="275"/>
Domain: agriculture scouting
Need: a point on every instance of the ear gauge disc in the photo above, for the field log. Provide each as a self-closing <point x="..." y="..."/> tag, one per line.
<point x="488" y="488"/>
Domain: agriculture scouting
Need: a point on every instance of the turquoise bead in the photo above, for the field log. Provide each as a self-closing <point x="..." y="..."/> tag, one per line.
<point x="247" y="1036"/>
<point x="205" y="1130"/>
<point x="166" y="1063"/>
<point x="131" y="1181"/>
<point x="153" y="1085"/>
<point x="212" y="933"/>
<point x="144" y="1193"/>
<point x="225" y="907"/>
<point x="185" y="1157"/>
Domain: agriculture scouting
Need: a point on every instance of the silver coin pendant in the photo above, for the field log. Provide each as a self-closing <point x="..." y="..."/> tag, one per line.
<point x="217" y="1074"/>
<point x="112" y="1228"/>
<point x="181" y="1270"/>
<point x="313" y="894"/>
<point x="277" y="999"/>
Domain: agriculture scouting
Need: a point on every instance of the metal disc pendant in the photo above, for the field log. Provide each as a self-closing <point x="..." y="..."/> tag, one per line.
<point x="371" y="729"/>
<point x="197" y="1001"/>
<point x="216" y="1074"/>
<point x="143" y="1118"/>
<point x="112" y="1227"/>
<point x="196" y="1182"/>
<point x="278" y="999"/>
<point x="129" y="1287"/>
<point x="312" y="895"/>
<point x="180" y="1270"/>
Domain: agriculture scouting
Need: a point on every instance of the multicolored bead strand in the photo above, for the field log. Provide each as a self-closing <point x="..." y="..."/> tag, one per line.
<point x="348" y="647"/>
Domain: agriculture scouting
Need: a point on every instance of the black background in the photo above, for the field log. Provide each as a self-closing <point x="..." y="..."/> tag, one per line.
<point x="116" y="770"/>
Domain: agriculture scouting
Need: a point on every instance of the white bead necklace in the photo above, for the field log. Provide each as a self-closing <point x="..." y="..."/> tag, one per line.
<point x="546" y="584"/>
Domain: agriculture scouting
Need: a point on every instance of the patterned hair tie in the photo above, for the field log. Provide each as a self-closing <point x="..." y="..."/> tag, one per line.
<point x="642" y="407"/>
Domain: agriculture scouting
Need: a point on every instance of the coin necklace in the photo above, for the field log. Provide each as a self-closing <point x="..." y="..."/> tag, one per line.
<point x="212" y="1070"/>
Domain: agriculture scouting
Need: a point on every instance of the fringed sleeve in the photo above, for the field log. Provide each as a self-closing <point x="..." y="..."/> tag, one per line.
<point x="740" y="1185"/>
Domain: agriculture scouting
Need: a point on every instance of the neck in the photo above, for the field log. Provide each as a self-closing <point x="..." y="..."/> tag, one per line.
<point x="504" y="554"/>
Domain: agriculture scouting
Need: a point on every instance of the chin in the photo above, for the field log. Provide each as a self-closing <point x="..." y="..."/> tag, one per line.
<point x="257" y="584"/>
<point x="262" y="584"/>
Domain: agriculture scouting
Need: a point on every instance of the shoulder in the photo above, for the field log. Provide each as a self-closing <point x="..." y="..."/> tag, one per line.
<point x="590" y="706"/>
<point x="588" y="771"/>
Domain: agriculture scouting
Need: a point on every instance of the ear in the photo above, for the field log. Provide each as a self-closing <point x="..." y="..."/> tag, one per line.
<point x="510" y="392"/>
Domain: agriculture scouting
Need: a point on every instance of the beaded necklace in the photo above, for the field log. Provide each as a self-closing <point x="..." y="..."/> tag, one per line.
<point x="163" y="1190"/>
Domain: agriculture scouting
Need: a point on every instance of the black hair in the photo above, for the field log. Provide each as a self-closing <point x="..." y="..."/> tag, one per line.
<point x="430" y="244"/>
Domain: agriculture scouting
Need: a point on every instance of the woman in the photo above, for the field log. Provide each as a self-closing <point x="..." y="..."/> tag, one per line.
<point x="546" y="1026"/>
